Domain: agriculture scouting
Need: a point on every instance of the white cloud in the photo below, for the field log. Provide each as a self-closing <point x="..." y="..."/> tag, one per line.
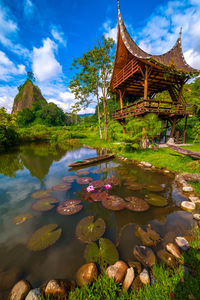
<point x="45" y="65"/>
<point x="8" y="69"/>
<point x="58" y="36"/>
<point x="28" y="8"/>
<point x="110" y="32"/>
<point x="7" y="94"/>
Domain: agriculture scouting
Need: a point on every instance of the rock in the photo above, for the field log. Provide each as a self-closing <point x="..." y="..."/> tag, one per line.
<point x="144" y="277"/>
<point x="191" y="177"/>
<point x="146" y="164"/>
<point x="166" y="171"/>
<point x="136" y="265"/>
<point x="153" y="234"/>
<point x="117" y="271"/>
<point x="187" y="205"/>
<point x="174" y="250"/>
<point x="170" y="141"/>
<point x="167" y="258"/>
<point x="182" y="243"/>
<point x="58" y="288"/>
<point x="145" y="255"/>
<point x="20" y="290"/>
<point x="144" y="236"/>
<point x="128" y="279"/>
<point x="187" y="188"/>
<point x="196" y="217"/>
<point x="194" y="199"/>
<point x="86" y="274"/>
<point x="137" y="284"/>
<point x="34" y="294"/>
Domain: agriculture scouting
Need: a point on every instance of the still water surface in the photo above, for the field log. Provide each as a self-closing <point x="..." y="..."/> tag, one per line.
<point x="34" y="167"/>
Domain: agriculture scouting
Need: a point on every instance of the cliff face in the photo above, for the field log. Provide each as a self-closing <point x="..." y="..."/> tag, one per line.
<point x="28" y="94"/>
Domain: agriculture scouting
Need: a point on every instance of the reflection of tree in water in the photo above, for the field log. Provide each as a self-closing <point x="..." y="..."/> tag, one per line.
<point x="10" y="163"/>
<point x="38" y="158"/>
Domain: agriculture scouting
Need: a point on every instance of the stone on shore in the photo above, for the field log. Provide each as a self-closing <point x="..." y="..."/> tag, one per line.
<point x="194" y="199"/>
<point x="188" y="206"/>
<point x="196" y="217"/>
<point x="144" y="277"/>
<point x="58" y="288"/>
<point x="20" y="290"/>
<point x="174" y="250"/>
<point x="167" y="258"/>
<point x="145" y="255"/>
<point x="117" y="271"/>
<point x="182" y="243"/>
<point x="187" y="189"/>
<point x="146" y="164"/>
<point x="86" y="274"/>
<point x="136" y="265"/>
<point x="34" y="294"/>
<point x="128" y="279"/>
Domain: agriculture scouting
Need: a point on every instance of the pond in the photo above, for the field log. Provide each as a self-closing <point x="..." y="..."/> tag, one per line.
<point x="39" y="166"/>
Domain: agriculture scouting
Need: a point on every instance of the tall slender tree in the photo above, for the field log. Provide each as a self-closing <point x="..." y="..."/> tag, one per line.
<point x="91" y="81"/>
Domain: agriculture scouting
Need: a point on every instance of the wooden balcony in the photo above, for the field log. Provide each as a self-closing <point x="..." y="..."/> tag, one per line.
<point x="163" y="108"/>
<point x="125" y="73"/>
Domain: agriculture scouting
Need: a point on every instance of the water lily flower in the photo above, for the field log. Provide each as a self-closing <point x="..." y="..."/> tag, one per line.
<point x="90" y="188"/>
<point x="107" y="186"/>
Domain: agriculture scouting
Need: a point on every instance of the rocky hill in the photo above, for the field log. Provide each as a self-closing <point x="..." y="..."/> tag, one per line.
<point x="28" y="94"/>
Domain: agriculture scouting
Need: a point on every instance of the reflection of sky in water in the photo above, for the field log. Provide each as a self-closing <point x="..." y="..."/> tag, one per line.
<point x="64" y="258"/>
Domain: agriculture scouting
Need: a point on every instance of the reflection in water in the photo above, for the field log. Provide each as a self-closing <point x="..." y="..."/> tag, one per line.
<point x="34" y="167"/>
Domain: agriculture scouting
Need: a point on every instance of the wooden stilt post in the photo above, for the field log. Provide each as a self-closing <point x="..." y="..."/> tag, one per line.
<point x="146" y="83"/>
<point x="173" y="127"/>
<point x="121" y="99"/>
<point x="184" y="133"/>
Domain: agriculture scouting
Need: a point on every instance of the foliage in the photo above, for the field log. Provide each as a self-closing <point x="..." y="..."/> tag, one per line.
<point x="50" y="114"/>
<point x="25" y="117"/>
<point x="92" y="76"/>
<point x="8" y="134"/>
<point x="30" y="76"/>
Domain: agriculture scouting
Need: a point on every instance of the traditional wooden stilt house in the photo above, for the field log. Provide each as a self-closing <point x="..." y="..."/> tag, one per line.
<point x="141" y="76"/>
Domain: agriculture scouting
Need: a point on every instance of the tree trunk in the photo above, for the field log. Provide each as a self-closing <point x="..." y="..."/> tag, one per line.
<point x="99" y="120"/>
<point x="105" y="119"/>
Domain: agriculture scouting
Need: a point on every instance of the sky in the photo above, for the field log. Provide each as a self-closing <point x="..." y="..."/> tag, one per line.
<point x="44" y="36"/>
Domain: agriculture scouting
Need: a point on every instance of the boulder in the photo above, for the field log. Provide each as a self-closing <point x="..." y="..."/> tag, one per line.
<point x="86" y="274"/>
<point x="194" y="199"/>
<point x="167" y="258"/>
<point x="145" y="255"/>
<point x="117" y="271"/>
<point x="144" y="277"/>
<point x="182" y="243"/>
<point x="174" y="250"/>
<point x="191" y="177"/>
<point x="196" y="217"/>
<point x="34" y="294"/>
<point x="137" y="283"/>
<point x="188" y="206"/>
<point x="20" y="290"/>
<point x="136" y="265"/>
<point x="58" y="288"/>
<point x="146" y="164"/>
<point x="128" y="279"/>
<point x="187" y="189"/>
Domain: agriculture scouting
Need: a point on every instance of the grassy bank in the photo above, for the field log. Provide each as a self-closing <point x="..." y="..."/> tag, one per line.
<point x="167" y="283"/>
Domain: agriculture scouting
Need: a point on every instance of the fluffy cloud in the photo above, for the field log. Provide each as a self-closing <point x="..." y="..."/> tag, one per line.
<point x="45" y="65"/>
<point x="58" y="35"/>
<point x="8" y="69"/>
<point x="7" y="94"/>
<point x="110" y="32"/>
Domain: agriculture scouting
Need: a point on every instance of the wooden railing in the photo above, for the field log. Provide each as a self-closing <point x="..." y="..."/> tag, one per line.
<point x="152" y="106"/>
<point x="125" y="73"/>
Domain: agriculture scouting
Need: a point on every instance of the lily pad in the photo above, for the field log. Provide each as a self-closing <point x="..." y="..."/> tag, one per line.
<point x="61" y="187"/>
<point x="154" y="187"/>
<point x="99" y="196"/>
<point x="97" y="171"/>
<point x="84" y="180"/>
<point x="44" y="204"/>
<point x="105" y="254"/>
<point x="156" y="200"/>
<point x="41" y="194"/>
<point x="135" y="186"/>
<point x="88" y="230"/>
<point x="69" y="178"/>
<point x="114" y="203"/>
<point x="82" y="172"/>
<point x="44" y="237"/>
<point x="18" y="220"/>
<point x="136" y="204"/>
<point x="144" y="236"/>
<point x="130" y="179"/>
<point x="69" y="207"/>
<point x="97" y="184"/>
<point x="112" y="180"/>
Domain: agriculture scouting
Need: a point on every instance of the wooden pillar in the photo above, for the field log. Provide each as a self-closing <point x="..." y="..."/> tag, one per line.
<point x="184" y="132"/>
<point x="146" y="83"/>
<point x="173" y="127"/>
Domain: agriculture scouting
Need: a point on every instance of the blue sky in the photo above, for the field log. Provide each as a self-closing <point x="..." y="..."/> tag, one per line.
<point x="43" y="36"/>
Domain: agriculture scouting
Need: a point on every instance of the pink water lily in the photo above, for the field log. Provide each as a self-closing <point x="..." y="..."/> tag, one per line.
<point x="90" y="188"/>
<point x="107" y="186"/>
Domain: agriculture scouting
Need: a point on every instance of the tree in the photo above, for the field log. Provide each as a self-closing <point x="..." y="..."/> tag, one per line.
<point x="30" y="76"/>
<point x="25" y="117"/>
<point x="92" y="78"/>
<point x="51" y="115"/>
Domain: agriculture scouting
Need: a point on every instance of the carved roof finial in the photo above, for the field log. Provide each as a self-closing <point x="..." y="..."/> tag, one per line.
<point x="180" y="32"/>
<point x="118" y="5"/>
